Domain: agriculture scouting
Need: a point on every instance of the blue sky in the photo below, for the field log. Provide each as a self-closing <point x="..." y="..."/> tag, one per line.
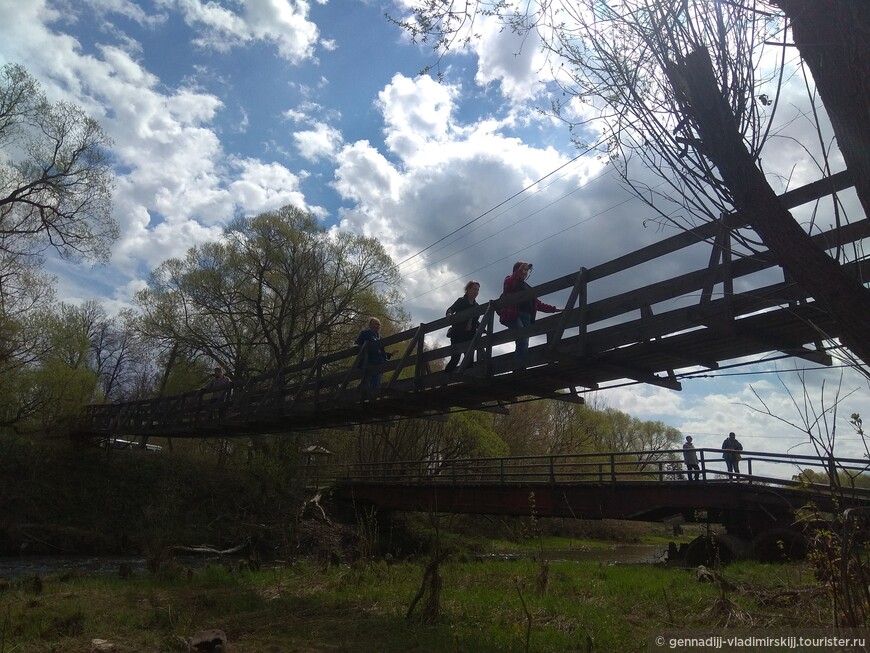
<point x="237" y="107"/>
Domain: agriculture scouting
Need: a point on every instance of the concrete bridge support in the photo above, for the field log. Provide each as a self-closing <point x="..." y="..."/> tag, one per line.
<point x="775" y="544"/>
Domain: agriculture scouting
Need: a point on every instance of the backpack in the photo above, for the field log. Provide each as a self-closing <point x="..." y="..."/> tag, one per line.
<point x="507" y="313"/>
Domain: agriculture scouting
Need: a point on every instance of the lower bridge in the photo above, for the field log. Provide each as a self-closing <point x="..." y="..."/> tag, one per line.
<point x="765" y="509"/>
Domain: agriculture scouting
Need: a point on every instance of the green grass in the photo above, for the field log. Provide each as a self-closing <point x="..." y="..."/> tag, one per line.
<point x="303" y="608"/>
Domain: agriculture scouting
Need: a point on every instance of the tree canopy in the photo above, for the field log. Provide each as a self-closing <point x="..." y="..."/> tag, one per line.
<point x="275" y="290"/>
<point x="55" y="175"/>
<point x="55" y="193"/>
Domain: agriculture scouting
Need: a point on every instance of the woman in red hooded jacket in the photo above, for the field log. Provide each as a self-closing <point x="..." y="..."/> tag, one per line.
<point x="517" y="316"/>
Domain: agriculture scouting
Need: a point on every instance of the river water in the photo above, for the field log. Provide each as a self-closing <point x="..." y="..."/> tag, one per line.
<point x="21" y="567"/>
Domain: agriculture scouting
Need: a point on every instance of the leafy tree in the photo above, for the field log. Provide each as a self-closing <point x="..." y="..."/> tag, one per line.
<point x="681" y="87"/>
<point x="525" y="428"/>
<point x="55" y="193"/>
<point x="555" y="427"/>
<point x="55" y="177"/>
<point x="277" y="289"/>
<point x="24" y="343"/>
<point x="465" y="434"/>
<point x="113" y="351"/>
<point x="575" y="428"/>
<point x="45" y="391"/>
<point x="120" y="358"/>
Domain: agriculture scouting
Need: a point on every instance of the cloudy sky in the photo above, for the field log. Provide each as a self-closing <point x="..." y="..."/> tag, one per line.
<point x="235" y="107"/>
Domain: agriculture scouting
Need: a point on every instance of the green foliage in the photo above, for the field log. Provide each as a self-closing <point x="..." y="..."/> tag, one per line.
<point x="475" y="436"/>
<point x="554" y="427"/>
<point x="186" y="375"/>
<point x="61" y="391"/>
<point x="49" y="379"/>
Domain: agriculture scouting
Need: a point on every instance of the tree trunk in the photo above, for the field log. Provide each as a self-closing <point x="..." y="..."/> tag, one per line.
<point x="833" y="37"/>
<point x="840" y="294"/>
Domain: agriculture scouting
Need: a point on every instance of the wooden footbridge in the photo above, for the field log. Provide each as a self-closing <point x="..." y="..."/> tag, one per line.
<point x="735" y="304"/>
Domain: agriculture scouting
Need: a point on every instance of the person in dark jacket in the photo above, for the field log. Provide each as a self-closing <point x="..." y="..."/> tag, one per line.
<point x="518" y="316"/>
<point x="463" y="331"/>
<point x="731" y="449"/>
<point x="690" y="456"/>
<point x="374" y="355"/>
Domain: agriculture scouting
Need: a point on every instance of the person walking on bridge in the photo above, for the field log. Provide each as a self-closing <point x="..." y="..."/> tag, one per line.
<point x="463" y="331"/>
<point x="690" y="456"/>
<point x="731" y="449"/>
<point x="519" y="316"/>
<point x="374" y="355"/>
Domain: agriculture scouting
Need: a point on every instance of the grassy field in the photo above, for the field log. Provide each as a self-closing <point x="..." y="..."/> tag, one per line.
<point x="484" y="606"/>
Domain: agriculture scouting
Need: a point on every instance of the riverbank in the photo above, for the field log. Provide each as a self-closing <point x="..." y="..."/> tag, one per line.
<point x="516" y="605"/>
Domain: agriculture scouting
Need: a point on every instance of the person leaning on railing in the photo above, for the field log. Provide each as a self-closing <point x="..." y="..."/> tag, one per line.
<point x="217" y="386"/>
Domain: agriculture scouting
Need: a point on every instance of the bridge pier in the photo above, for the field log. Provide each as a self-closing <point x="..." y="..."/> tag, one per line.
<point x="778" y="545"/>
<point x="714" y="549"/>
<point x="775" y="544"/>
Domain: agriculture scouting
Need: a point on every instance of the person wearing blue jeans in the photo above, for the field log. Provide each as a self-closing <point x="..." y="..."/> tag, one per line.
<point x="521" y="315"/>
<point x="731" y="449"/>
<point x="522" y="320"/>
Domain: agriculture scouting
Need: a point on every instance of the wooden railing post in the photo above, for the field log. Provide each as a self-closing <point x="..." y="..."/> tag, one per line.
<point x="552" y="470"/>
<point x="612" y="468"/>
<point x="833" y="479"/>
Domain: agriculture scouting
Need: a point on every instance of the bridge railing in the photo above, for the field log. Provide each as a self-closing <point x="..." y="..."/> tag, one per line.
<point x="757" y="467"/>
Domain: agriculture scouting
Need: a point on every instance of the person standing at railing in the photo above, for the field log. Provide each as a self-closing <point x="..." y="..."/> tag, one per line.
<point x="463" y="331"/>
<point x="375" y="355"/>
<point x="690" y="456"/>
<point x="731" y="449"/>
<point x="218" y="386"/>
<point x="519" y="316"/>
